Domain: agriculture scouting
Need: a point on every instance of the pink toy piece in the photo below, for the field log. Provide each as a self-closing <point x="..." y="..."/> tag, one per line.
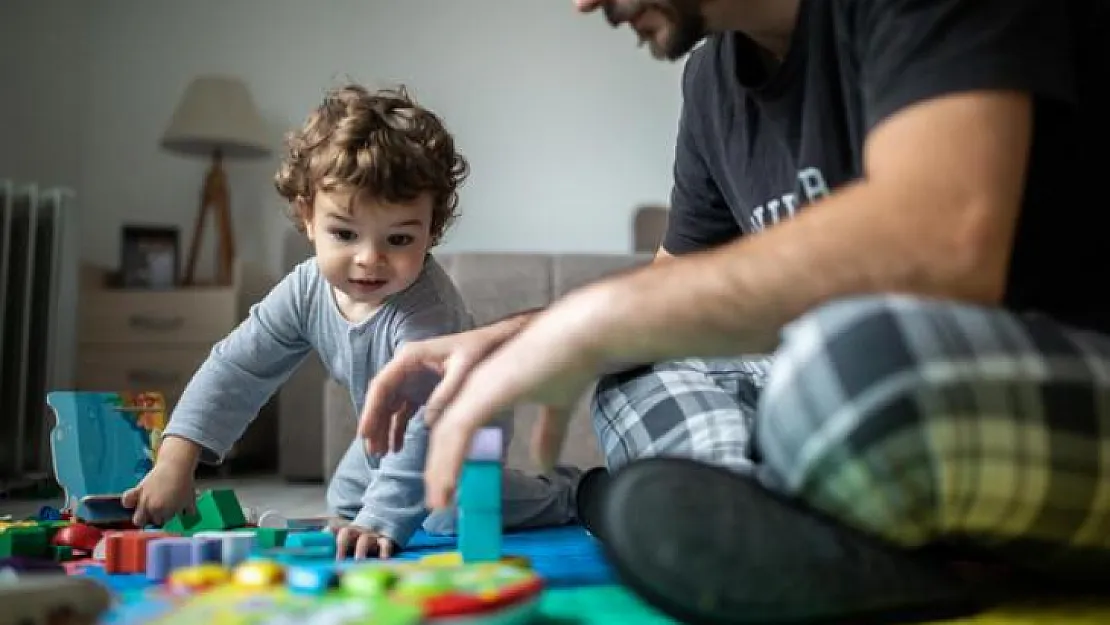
<point x="486" y="445"/>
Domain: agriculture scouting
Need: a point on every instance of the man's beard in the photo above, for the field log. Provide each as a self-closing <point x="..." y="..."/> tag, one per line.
<point x="687" y="24"/>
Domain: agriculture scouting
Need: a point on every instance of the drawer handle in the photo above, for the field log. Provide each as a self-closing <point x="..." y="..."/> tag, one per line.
<point x="151" y="377"/>
<point x="158" y="324"/>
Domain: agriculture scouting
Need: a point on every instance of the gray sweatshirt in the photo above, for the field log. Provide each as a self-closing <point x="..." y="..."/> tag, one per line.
<point x="300" y="314"/>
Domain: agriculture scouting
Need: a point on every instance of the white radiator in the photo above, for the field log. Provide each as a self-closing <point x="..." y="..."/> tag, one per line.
<point x="37" y="320"/>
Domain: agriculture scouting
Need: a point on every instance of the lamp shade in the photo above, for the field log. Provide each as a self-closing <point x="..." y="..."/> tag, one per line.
<point x="217" y="112"/>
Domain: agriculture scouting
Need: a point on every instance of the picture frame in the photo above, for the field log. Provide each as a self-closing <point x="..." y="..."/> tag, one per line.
<point x="149" y="257"/>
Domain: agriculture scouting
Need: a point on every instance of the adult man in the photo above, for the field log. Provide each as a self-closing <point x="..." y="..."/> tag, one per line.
<point x="894" y="199"/>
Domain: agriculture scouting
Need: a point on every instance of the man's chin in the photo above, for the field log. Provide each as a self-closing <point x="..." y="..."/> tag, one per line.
<point x="675" y="48"/>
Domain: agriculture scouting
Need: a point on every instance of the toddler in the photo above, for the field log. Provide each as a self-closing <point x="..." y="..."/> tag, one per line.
<point x="371" y="180"/>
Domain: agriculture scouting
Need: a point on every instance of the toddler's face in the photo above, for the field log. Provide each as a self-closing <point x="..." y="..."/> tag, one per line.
<point x="370" y="252"/>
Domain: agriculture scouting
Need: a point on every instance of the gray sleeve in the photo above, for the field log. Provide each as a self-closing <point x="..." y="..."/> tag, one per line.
<point x="243" y="371"/>
<point x="393" y="505"/>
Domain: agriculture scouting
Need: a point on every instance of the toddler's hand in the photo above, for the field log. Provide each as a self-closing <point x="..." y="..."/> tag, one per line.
<point x="364" y="542"/>
<point x="166" y="491"/>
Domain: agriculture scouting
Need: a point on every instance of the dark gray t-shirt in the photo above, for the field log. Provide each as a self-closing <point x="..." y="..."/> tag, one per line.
<point x="301" y="314"/>
<point x="754" y="148"/>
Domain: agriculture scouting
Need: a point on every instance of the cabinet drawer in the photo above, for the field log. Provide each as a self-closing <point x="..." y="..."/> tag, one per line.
<point x="166" y="369"/>
<point x="152" y="317"/>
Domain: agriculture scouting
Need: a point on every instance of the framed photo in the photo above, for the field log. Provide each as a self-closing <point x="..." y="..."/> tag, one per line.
<point x="149" y="257"/>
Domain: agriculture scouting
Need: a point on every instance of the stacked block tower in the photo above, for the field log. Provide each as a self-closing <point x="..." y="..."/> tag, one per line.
<point x="479" y="501"/>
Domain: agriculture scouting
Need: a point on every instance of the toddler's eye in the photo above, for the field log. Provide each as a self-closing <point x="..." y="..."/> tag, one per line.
<point x="342" y="234"/>
<point x="400" y="239"/>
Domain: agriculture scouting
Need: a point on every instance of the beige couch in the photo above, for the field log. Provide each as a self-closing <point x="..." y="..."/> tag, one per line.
<point x="316" y="419"/>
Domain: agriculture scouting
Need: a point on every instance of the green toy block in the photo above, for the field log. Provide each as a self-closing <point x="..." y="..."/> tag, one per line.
<point x="61" y="553"/>
<point x="216" y="510"/>
<point x="269" y="537"/>
<point x="52" y="527"/>
<point x="25" y="541"/>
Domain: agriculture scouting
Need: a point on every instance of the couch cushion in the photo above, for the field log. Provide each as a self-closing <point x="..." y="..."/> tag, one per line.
<point x="496" y="285"/>
<point x="570" y="271"/>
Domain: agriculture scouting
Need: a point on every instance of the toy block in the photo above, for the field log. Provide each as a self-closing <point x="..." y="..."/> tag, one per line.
<point x="268" y="537"/>
<point x="293" y="555"/>
<point x="125" y="551"/>
<point x="310" y="539"/>
<point x="77" y="536"/>
<point x="235" y="545"/>
<point x="216" y="510"/>
<point x="24" y="540"/>
<point x="487" y="445"/>
<point x="164" y="555"/>
<point x="206" y="550"/>
<point x="61" y="553"/>
<point x="311" y="580"/>
<point x="51" y="528"/>
<point x="480" y="486"/>
<point x="479" y="535"/>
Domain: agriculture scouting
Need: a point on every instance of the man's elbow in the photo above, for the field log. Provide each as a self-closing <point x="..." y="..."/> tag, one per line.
<point x="976" y="256"/>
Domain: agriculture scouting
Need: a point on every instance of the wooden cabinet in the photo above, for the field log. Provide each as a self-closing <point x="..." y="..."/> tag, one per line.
<point x="154" y="340"/>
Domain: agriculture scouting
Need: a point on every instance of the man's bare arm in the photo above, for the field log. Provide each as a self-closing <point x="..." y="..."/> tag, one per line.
<point x="933" y="215"/>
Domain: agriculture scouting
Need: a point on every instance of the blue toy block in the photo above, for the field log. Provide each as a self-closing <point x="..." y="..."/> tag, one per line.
<point x="164" y="555"/>
<point x="479" y="535"/>
<point x="298" y="540"/>
<point x="480" y="486"/>
<point x="234" y="545"/>
<point x="311" y="580"/>
<point x="290" y="556"/>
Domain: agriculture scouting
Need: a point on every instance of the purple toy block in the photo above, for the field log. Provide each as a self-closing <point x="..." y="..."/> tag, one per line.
<point x="164" y="555"/>
<point x="206" y="549"/>
<point x="486" y="445"/>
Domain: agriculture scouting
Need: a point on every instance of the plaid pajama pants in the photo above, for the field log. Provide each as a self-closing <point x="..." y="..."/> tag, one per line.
<point x="922" y="422"/>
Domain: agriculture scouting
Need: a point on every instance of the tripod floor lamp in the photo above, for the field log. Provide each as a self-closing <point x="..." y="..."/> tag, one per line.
<point x="216" y="118"/>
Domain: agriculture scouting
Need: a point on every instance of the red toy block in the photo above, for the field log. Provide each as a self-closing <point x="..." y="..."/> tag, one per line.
<point x="125" y="552"/>
<point x="77" y="536"/>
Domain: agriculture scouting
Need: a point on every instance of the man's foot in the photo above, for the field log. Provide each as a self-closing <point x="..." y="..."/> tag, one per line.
<point x="588" y="497"/>
<point x="705" y="545"/>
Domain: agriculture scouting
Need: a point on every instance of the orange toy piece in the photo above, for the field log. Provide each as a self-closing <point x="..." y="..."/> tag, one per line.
<point x="125" y="552"/>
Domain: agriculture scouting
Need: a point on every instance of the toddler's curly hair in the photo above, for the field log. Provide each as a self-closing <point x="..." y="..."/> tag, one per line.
<point x="380" y="143"/>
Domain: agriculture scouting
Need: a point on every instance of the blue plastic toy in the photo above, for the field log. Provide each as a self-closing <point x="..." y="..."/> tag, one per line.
<point x="102" y="444"/>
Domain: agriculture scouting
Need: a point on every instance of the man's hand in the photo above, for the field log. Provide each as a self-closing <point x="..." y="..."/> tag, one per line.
<point x="550" y="362"/>
<point x="364" y="542"/>
<point x="432" y="369"/>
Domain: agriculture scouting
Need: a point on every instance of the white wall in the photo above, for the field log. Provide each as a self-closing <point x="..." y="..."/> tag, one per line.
<point x="567" y="124"/>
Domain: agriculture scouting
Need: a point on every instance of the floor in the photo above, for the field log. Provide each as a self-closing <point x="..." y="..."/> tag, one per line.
<point x="259" y="494"/>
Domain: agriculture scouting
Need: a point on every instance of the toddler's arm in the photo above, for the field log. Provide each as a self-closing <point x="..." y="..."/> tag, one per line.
<point x="243" y="370"/>
<point x="393" y="504"/>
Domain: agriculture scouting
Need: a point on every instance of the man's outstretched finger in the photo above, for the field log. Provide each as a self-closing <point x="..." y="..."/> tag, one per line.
<point x="398" y="424"/>
<point x="382" y="396"/>
<point x="445" y="392"/>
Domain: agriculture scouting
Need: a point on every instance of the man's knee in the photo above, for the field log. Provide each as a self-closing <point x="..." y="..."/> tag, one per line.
<point x="693" y="409"/>
<point x="847" y="421"/>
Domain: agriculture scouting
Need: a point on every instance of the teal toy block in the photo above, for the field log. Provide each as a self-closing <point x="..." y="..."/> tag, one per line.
<point x="297" y="540"/>
<point x="480" y="486"/>
<point x="299" y="555"/>
<point x="480" y="535"/>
